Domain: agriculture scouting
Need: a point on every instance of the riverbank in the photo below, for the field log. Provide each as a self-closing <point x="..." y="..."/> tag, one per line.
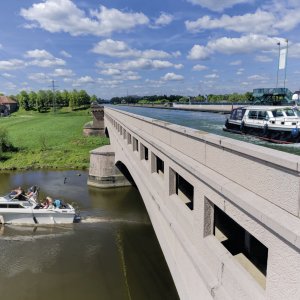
<point x="48" y="141"/>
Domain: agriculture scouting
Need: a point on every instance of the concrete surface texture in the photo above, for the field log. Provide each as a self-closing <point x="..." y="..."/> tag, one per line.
<point x="254" y="188"/>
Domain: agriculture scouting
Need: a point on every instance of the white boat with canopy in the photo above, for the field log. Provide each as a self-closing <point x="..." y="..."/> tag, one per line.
<point x="23" y="209"/>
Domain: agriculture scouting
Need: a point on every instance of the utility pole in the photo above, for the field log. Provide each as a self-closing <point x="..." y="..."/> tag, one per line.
<point x="53" y="86"/>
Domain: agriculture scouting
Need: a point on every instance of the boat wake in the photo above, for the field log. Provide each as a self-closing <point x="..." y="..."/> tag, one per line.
<point x="32" y="238"/>
<point x="94" y="220"/>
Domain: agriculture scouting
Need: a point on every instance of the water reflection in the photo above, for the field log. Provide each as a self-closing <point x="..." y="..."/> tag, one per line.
<point x="112" y="254"/>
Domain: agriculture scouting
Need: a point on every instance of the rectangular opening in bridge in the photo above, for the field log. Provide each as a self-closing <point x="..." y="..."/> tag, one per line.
<point x="183" y="189"/>
<point x="144" y="152"/>
<point x="160" y="166"/>
<point x="124" y="134"/>
<point x="246" y="249"/>
<point x="129" y="138"/>
<point x="135" y="144"/>
<point x="157" y="165"/>
<point x="121" y="130"/>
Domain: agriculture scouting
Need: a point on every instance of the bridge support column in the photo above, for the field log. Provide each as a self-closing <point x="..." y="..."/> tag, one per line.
<point x="103" y="172"/>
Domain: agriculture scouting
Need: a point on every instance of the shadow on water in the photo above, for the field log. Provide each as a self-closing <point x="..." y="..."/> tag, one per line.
<point x="112" y="254"/>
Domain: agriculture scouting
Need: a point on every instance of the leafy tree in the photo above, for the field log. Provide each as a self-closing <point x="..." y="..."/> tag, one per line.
<point x="32" y="100"/>
<point x="65" y="97"/>
<point x="23" y="100"/>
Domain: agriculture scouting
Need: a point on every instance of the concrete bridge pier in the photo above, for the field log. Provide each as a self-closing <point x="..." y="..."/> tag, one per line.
<point x="103" y="172"/>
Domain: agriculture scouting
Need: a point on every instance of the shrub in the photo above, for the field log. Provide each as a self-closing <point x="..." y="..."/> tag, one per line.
<point x="5" y="144"/>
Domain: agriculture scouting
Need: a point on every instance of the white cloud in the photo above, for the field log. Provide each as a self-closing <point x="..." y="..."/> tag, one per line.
<point x="132" y="76"/>
<point x="65" y="54"/>
<point x="110" y="72"/>
<point x="240" y="71"/>
<point x="65" y="16"/>
<point x="43" y="58"/>
<point x="199" y="68"/>
<point x="46" y="63"/>
<point x="39" y="77"/>
<point x="257" y="77"/>
<point x="273" y="18"/>
<point x="63" y="73"/>
<point x="235" y="63"/>
<point x="83" y="81"/>
<point x="244" y="44"/>
<point x="120" y="49"/>
<point x="10" y="86"/>
<point x="164" y="19"/>
<point x="258" y="22"/>
<point x="217" y="5"/>
<point x="12" y="64"/>
<point x="141" y="63"/>
<point x="7" y="75"/>
<point x="172" y="77"/>
<point x="199" y="52"/>
<point x="263" y="58"/>
<point x="212" y="76"/>
<point x="39" y="54"/>
<point x="176" y="53"/>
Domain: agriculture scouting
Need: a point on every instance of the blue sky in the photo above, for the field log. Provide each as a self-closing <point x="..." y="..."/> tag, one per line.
<point x="115" y="48"/>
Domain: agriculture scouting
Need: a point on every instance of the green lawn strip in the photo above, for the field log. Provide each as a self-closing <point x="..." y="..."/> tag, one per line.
<point x="49" y="141"/>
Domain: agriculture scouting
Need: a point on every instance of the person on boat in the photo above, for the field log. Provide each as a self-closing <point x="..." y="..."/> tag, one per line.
<point x="31" y="191"/>
<point x="48" y="203"/>
<point x="57" y="203"/>
<point x="18" y="193"/>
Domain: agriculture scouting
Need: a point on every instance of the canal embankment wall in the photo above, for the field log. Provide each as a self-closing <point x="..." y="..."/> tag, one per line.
<point x="255" y="187"/>
<point x="218" y="108"/>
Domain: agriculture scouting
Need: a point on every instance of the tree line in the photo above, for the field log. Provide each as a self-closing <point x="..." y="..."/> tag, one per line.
<point x="211" y="98"/>
<point x="43" y="100"/>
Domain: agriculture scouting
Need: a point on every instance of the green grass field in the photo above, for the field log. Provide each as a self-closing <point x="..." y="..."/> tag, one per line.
<point x="53" y="141"/>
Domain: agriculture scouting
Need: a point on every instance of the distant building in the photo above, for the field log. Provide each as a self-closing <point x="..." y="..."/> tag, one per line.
<point x="7" y="106"/>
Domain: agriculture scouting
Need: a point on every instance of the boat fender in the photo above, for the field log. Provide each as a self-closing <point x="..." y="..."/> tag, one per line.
<point x="295" y="132"/>
<point x="242" y="127"/>
<point x="265" y="129"/>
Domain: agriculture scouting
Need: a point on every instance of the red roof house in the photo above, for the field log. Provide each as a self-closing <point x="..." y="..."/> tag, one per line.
<point x="7" y="105"/>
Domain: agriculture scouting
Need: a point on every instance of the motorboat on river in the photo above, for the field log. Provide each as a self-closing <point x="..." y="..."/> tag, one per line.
<point x="23" y="209"/>
<point x="278" y="124"/>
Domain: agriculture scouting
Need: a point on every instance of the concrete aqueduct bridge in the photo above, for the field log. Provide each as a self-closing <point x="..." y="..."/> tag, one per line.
<point x="226" y="213"/>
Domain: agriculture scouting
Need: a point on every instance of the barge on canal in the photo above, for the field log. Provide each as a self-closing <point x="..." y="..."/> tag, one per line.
<point x="279" y="124"/>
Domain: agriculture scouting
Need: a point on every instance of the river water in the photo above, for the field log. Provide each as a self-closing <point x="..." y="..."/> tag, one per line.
<point x="112" y="253"/>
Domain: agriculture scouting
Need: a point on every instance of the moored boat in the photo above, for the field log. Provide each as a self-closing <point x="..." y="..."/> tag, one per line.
<point x="280" y="124"/>
<point x="27" y="210"/>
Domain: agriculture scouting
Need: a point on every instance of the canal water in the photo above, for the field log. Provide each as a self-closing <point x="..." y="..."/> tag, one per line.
<point x="209" y="122"/>
<point x="112" y="253"/>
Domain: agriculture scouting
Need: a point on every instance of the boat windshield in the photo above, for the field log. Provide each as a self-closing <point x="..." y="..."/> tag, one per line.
<point x="297" y="112"/>
<point x="9" y="196"/>
<point x="237" y="114"/>
<point x="290" y="113"/>
<point x="277" y="113"/>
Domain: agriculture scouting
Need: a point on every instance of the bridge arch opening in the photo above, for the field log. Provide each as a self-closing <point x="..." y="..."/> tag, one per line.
<point x="123" y="169"/>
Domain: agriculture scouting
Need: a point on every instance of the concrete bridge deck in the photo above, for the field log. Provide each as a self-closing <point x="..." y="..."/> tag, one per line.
<point x="226" y="213"/>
